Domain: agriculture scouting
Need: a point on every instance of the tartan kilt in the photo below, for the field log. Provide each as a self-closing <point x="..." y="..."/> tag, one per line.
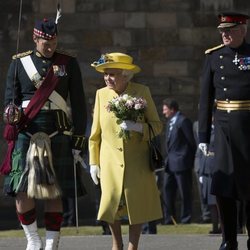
<point x="61" y="148"/>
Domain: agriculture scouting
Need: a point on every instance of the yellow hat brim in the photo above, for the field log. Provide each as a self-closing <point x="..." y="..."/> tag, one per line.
<point x="116" y="65"/>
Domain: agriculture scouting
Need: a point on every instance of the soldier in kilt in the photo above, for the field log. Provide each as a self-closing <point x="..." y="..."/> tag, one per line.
<point x="226" y="81"/>
<point x="47" y="145"/>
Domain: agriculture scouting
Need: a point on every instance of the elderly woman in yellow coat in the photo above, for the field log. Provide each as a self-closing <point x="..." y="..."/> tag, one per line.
<point x="127" y="183"/>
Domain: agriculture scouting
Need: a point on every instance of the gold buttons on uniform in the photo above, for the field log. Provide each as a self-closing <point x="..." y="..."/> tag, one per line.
<point x="222" y="78"/>
<point x="44" y="61"/>
<point x="222" y="67"/>
<point x="225" y="89"/>
<point x="43" y="69"/>
<point x="221" y="56"/>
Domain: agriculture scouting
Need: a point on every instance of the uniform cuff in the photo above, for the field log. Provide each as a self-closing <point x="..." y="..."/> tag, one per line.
<point x="80" y="142"/>
<point x="203" y="137"/>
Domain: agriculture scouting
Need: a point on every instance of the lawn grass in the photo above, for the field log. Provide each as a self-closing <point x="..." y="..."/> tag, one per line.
<point x="97" y="230"/>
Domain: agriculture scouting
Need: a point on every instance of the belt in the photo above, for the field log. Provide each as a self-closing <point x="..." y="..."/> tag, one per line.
<point x="233" y="105"/>
<point x="47" y="106"/>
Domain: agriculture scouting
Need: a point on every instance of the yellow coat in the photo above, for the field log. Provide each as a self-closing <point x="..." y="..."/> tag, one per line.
<point x="124" y="165"/>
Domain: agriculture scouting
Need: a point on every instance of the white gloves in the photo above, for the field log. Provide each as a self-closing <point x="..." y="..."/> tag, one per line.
<point x="204" y="148"/>
<point x="78" y="158"/>
<point x="201" y="179"/>
<point x="95" y="173"/>
<point x="130" y="125"/>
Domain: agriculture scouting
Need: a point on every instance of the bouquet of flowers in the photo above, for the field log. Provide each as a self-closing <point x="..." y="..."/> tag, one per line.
<point x="126" y="107"/>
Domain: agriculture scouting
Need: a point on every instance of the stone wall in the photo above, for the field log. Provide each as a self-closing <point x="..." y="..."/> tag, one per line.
<point x="167" y="38"/>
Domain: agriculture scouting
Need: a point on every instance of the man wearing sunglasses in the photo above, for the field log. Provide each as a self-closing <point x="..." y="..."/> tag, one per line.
<point x="225" y="81"/>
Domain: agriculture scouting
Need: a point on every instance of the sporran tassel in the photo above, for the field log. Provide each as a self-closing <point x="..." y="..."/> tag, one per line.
<point x="31" y="170"/>
<point x="38" y="170"/>
<point x="42" y="182"/>
<point x="50" y="176"/>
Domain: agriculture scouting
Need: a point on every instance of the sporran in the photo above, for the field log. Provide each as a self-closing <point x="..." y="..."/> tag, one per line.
<point x="42" y="183"/>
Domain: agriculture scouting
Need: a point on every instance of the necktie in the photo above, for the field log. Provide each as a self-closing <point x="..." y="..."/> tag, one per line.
<point x="170" y="127"/>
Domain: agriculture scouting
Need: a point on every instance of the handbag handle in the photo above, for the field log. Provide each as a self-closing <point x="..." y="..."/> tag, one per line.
<point x="151" y="132"/>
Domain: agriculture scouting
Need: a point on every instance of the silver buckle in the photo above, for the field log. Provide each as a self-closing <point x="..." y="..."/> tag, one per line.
<point x="36" y="79"/>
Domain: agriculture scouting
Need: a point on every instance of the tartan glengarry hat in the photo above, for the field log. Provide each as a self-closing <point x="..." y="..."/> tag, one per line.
<point x="46" y="29"/>
<point x="231" y="19"/>
<point x="115" y="60"/>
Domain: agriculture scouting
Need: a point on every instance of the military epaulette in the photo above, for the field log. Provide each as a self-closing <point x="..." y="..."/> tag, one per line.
<point x="208" y="51"/>
<point x="63" y="52"/>
<point x="20" y="55"/>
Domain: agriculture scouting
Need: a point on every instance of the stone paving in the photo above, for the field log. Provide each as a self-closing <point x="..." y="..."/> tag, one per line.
<point x="147" y="242"/>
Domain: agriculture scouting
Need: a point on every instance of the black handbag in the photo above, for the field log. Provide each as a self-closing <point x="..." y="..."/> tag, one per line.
<point x="155" y="156"/>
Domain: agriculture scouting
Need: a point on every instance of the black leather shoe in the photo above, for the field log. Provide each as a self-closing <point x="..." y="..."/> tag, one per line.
<point x="229" y="246"/>
<point x="168" y="222"/>
<point x="215" y="231"/>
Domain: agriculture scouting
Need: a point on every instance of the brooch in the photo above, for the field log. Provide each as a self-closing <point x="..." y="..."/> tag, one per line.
<point x="103" y="59"/>
<point x="59" y="70"/>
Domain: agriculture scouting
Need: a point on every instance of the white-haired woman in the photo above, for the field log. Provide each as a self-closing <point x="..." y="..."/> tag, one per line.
<point x="128" y="185"/>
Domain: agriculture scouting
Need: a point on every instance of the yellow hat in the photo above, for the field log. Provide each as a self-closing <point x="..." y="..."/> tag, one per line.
<point x="115" y="61"/>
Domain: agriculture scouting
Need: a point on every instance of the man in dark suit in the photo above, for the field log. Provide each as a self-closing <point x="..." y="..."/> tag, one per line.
<point x="205" y="177"/>
<point x="226" y="79"/>
<point x="205" y="211"/>
<point x="180" y="149"/>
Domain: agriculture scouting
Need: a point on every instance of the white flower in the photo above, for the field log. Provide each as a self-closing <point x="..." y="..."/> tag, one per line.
<point x="117" y="103"/>
<point x="138" y="106"/>
<point x="125" y="97"/>
<point x="129" y="103"/>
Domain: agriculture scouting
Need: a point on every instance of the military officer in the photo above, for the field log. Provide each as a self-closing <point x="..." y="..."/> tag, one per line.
<point x="226" y="81"/>
<point x="42" y="160"/>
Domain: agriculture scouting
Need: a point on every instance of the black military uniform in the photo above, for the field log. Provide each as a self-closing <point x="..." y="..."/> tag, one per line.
<point x="226" y="81"/>
<point x="71" y="130"/>
<point x="44" y="145"/>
